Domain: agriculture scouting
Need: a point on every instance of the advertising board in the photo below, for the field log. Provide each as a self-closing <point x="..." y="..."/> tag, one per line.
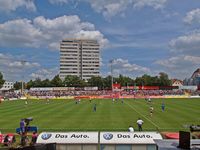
<point x="129" y="137"/>
<point x="68" y="137"/>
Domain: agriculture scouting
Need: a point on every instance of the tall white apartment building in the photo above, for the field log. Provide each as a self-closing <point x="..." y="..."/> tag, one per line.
<point x="79" y="57"/>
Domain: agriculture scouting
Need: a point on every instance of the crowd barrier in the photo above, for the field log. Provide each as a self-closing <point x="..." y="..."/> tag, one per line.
<point x="100" y="141"/>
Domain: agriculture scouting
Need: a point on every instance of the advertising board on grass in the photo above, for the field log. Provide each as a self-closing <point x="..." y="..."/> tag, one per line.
<point x="94" y="138"/>
<point x="68" y="137"/>
<point x="129" y="137"/>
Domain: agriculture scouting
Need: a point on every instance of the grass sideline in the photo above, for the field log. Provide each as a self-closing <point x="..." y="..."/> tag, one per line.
<point x="65" y="115"/>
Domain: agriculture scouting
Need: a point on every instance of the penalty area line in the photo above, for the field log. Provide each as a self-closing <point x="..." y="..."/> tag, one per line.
<point x="143" y="115"/>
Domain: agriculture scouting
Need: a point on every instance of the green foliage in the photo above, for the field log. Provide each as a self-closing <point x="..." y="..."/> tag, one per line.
<point x="162" y="80"/>
<point x="46" y="83"/>
<point x="124" y="81"/>
<point x="37" y="82"/>
<point x="100" y="82"/>
<point x="17" y="85"/>
<point x="56" y="81"/>
<point x="1" y="80"/>
<point x="107" y="82"/>
<point x="96" y="82"/>
<point x="30" y="84"/>
<point x="73" y="81"/>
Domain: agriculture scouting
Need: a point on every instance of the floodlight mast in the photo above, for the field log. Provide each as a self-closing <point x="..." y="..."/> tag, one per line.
<point x="23" y="62"/>
<point x="111" y="67"/>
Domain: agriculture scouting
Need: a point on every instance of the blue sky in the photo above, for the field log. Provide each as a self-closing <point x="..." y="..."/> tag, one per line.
<point x="142" y="36"/>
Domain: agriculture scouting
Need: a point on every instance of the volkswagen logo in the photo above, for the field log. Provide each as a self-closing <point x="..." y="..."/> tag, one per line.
<point x="46" y="136"/>
<point x="107" y="136"/>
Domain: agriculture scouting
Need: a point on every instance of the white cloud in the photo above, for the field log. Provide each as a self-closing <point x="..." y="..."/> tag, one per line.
<point x="178" y="62"/>
<point x="58" y="1"/>
<point x="12" y="5"/>
<point x="121" y="66"/>
<point x="189" y="44"/>
<point x="110" y="8"/>
<point x="12" y="62"/>
<point x="45" y="73"/>
<point x="92" y="35"/>
<point x="20" y="64"/>
<point x="14" y="68"/>
<point x="193" y="17"/>
<point x="20" y="32"/>
<point x="179" y="66"/>
<point x="156" y="4"/>
<point x="42" y="32"/>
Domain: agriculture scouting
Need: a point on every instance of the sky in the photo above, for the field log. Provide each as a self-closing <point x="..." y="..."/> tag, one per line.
<point x="140" y="36"/>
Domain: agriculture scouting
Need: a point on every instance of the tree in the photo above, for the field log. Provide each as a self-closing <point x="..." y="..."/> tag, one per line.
<point x="17" y="85"/>
<point x="164" y="79"/>
<point x="96" y="81"/>
<point x="37" y="82"/>
<point x="56" y="81"/>
<point x="124" y="81"/>
<point x="107" y="82"/>
<point x="139" y="81"/>
<point x="46" y="83"/>
<point x="155" y="81"/>
<point x="73" y="81"/>
<point x="1" y="80"/>
<point x="30" y="84"/>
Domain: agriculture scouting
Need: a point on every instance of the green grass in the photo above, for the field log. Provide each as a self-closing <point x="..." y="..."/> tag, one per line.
<point x="65" y="115"/>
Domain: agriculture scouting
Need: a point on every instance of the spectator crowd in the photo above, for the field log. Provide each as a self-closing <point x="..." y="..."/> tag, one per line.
<point x="135" y="93"/>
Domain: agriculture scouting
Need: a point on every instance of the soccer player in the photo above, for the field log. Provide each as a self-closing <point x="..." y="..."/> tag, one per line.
<point x="113" y="100"/>
<point x="26" y="102"/>
<point x="122" y="100"/>
<point x="140" y="123"/>
<point x="163" y="106"/>
<point x="47" y="100"/>
<point x="95" y="108"/>
<point x="151" y="110"/>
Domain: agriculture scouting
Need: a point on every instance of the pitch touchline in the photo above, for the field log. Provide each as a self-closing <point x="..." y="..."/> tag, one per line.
<point x="93" y="129"/>
<point x="142" y="115"/>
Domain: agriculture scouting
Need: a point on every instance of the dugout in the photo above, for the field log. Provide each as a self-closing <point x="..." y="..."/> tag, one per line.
<point x="70" y="140"/>
<point x="128" y="140"/>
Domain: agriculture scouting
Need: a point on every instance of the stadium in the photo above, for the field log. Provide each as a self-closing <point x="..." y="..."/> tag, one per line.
<point x="89" y="112"/>
<point x="85" y="111"/>
<point x="99" y="75"/>
<point x="71" y="109"/>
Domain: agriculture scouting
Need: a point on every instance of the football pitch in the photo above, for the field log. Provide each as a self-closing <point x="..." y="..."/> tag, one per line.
<point x="66" y="115"/>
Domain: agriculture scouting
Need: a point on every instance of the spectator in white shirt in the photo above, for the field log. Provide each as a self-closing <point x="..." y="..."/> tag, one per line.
<point x="130" y="129"/>
<point x="140" y="123"/>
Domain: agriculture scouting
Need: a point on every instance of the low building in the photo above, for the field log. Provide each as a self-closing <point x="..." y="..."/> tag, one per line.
<point x="177" y="82"/>
<point x="7" y="86"/>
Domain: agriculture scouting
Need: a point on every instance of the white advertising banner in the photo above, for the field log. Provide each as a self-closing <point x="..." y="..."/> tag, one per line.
<point x="63" y="88"/>
<point x="188" y="87"/>
<point x="129" y="137"/>
<point x="90" y="88"/>
<point x="68" y="137"/>
<point x="41" y="89"/>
